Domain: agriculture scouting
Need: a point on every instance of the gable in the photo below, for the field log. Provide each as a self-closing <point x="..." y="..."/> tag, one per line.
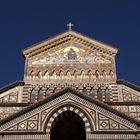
<point x="68" y="37"/>
<point x="100" y="116"/>
<point x="71" y="53"/>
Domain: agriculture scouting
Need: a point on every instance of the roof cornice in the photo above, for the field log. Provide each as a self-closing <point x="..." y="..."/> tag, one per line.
<point x="126" y="83"/>
<point x="69" y="35"/>
<point x="12" y="85"/>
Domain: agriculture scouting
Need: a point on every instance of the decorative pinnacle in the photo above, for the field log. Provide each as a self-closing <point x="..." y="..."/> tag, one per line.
<point x="70" y="25"/>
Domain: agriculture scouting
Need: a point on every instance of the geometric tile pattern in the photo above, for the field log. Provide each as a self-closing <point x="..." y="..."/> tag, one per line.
<point x="95" y="118"/>
<point x="128" y="96"/>
<point x="132" y="111"/>
<point x="106" y="123"/>
<point x="10" y="98"/>
<point x="29" y="124"/>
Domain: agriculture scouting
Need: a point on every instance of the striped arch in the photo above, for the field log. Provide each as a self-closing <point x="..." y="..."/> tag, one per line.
<point x="69" y="108"/>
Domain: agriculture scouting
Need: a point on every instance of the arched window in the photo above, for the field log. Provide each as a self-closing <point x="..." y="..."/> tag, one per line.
<point x="107" y="95"/>
<point x="61" y="74"/>
<point x="82" y="74"/>
<point x="32" y="75"/>
<point x="46" y="75"/>
<point x="97" y="74"/>
<point x="99" y="94"/>
<point x="68" y="74"/>
<point x="39" y="75"/>
<point x="89" y="72"/>
<point x="104" y="74"/>
<point x="111" y="74"/>
<point x="53" y="75"/>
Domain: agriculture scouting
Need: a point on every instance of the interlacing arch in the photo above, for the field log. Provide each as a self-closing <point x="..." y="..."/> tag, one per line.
<point x="70" y="74"/>
<point x="69" y="108"/>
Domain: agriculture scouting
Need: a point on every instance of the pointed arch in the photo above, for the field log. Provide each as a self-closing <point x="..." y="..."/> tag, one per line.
<point x="89" y="74"/>
<point x="46" y="75"/>
<point x="61" y="73"/>
<point x="111" y="74"/>
<point x="74" y="72"/>
<point x="104" y="74"/>
<point x="107" y="95"/>
<point x="53" y="75"/>
<point x="99" y="94"/>
<point x="68" y="73"/>
<point x="32" y="75"/>
<point x="39" y="75"/>
<point x="97" y="74"/>
<point x="82" y="74"/>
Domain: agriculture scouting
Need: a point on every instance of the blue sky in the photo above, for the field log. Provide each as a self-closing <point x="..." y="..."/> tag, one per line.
<point x="25" y="22"/>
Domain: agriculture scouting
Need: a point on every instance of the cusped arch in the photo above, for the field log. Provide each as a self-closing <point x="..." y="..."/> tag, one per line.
<point x="61" y="73"/>
<point x="97" y="74"/>
<point x="32" y="74"/>
<point x="68" y="73"/>
<point x="39" y="75"/>
<point x="74" y="72"/>
<point x="104" y="74"/>
<point x="111" y="74"/>
<point x="75" y="109"/>
<point x="46" y="73"/>
<point x="89" y="72"/>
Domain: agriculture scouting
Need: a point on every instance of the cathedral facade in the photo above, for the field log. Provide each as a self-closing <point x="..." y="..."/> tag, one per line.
<point x="70" y="91"/>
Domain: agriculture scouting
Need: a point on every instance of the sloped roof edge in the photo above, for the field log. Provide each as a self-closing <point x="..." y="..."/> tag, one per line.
<point x="34" y="46"/>
<point x="126" y="83"/>
<point x="11" y="85"/>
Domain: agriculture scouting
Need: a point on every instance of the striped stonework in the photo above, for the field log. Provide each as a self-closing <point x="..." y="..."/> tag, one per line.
<point x="114" y="95"/>
<point x="26" y="96"/>
<point x="69" y="108"/>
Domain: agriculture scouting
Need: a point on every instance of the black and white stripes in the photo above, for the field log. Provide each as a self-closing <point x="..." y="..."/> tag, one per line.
<point x="68" y="108"/>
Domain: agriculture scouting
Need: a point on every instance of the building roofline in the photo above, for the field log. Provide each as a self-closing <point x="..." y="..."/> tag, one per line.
<point x="11" y="85"/>
<point x="24" y="51"/>
<point x="131" y="85"/>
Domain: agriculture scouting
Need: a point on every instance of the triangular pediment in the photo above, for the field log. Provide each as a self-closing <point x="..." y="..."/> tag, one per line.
<point x="69" y="36"/>
<point x="100" y="114"/>
<point x="71" y="53"/>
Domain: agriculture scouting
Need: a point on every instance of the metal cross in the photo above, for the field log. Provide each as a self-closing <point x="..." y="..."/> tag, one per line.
<point x="70" y="25"/>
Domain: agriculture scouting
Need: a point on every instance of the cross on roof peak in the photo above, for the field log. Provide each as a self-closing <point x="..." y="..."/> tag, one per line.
<point x="70" y="25"/>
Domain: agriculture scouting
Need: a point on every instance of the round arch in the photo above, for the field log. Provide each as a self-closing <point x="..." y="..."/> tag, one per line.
<point x="72" y="108"/>
<point x="68" y="126"/>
